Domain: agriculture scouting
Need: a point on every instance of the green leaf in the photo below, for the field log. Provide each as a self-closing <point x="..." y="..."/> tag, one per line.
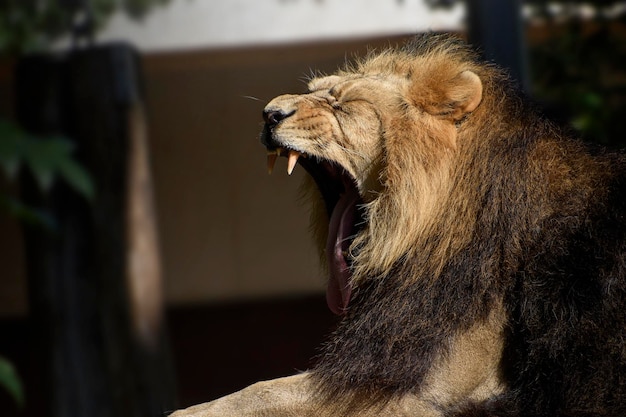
<point x="43" y="158"/>
<point x="77" y="178"/>
<point x="27" y="214"/>
<point x="47" y="158"/>
<point x="51" y="157"/>
<point x="593" y="100"/>
<point x="10" y="381"/>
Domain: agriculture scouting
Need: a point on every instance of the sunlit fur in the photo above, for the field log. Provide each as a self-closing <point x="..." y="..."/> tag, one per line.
<point x="402" y="129"/>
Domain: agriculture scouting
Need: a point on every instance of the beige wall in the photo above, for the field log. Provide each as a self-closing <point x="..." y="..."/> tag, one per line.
<point x="228" y="230"/>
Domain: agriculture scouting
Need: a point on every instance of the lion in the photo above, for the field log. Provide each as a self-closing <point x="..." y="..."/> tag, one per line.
<point x="476" y="250"/>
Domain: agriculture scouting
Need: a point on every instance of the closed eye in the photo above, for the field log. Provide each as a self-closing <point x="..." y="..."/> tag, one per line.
<point x="331" y="97"/>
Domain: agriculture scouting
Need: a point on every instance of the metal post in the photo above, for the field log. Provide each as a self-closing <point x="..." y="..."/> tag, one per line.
<point x="495" y="26"/>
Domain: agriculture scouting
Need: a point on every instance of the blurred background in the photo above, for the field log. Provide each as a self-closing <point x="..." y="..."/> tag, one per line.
<point x="147" y="260"/>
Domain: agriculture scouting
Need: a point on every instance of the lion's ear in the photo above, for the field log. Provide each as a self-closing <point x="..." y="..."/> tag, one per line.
<point x="450" y="97"/>
<point x="466" y="92"/>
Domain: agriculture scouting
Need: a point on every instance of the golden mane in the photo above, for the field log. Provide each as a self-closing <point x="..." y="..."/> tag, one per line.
<point x="424" y="145"/>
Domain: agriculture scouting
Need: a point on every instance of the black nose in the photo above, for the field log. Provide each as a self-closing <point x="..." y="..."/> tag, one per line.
<point x="273" y="117"/>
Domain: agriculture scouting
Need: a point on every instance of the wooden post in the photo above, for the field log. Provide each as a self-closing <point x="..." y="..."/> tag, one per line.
<point x="95" y="281"/>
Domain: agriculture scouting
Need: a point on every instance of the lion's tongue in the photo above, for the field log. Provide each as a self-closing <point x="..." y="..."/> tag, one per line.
<point x="340" y="228"/>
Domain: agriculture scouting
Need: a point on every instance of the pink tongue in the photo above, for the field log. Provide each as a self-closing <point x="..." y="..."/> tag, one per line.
<point x="340" y="228"/>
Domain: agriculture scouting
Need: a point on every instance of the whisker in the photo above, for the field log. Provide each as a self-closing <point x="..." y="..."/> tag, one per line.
<point x="252" y="98"/>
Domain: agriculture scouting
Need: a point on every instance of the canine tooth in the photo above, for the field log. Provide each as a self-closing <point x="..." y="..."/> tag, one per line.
<point x="291" y="163"/>
<point x="271" y="161"/>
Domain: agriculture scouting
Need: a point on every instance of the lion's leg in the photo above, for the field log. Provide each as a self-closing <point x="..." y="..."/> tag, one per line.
<point x="468" y="373"/>
<point x="280" y="397"/>
<point x="294" y="396"/>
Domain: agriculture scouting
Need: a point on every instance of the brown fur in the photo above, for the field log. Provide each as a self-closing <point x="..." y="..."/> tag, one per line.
<point x="487" y="272"/>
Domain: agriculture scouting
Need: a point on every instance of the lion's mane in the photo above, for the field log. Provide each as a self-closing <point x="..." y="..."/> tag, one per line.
<point x="498" y="209"/>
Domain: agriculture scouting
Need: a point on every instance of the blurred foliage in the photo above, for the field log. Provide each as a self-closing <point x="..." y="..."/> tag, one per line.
<point x="543" y="4"/>
<point x="46" y="160"/>
<point x="582" y="76"/>
<point x="577" y="68"/>
<point x="30" y="25"/>
<point x="11" y="382"/>
<point x="576" y="52"/>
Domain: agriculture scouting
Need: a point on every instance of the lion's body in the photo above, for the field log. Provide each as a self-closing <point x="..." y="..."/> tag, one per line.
<point x="488" y="276"/>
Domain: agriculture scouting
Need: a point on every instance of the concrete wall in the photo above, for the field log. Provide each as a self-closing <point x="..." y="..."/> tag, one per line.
<point x="193" y="24"/>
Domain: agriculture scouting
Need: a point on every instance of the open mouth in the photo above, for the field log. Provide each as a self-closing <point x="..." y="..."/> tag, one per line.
<point x="344" y="208"/>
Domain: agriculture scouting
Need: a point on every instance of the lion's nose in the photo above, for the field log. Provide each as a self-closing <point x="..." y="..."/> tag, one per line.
<point x="273" y="116"/>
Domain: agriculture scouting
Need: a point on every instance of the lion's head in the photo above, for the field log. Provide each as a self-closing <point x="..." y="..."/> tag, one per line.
<point x="360" y="131"/>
